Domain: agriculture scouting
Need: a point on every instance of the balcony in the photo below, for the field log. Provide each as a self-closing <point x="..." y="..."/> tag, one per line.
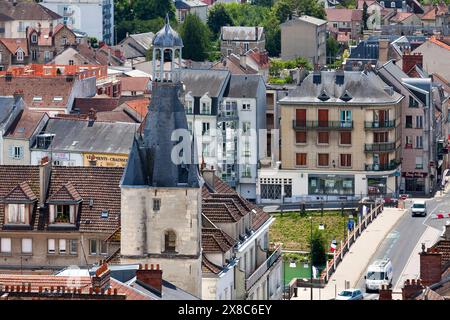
<point x="261" y="270"/>
<point x="223" y="117"/>
<point x="379" y="147"/>
<point x="322" y="125"/>
<point x="379" y="125"/>
<point x="381" y="166"/>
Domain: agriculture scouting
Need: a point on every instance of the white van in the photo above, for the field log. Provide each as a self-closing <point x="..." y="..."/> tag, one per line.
<point x="419" y="208"/>
<point x="378" y="274"/>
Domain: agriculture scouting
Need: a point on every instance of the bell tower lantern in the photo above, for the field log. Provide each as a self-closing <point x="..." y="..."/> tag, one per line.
<point x="167" y="46"/>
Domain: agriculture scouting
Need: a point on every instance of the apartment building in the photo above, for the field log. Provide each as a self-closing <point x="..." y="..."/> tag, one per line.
<point x="239" y="40"/>
<point x="347" y="22"/>
<point x="304" y="36"/>
<point x="94" y="17"/>
<point x="340" y="140"/>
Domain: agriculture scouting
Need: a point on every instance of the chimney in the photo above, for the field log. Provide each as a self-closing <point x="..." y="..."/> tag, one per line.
<point x="383" y="47"/>
<point x="243" y="61"/>
<point x="101" y="279"/>
<point x="45" y="170"/>
<point x="151" y="277"/>
<point x="50" y="33"/>
<point x="447" y="231"/>
<point x="209" y="176"/>
<point x="92" y="160"/>
<point x="410" y="60"/>
<point x="18" y="94"/>
<point x="385" y="293"/>
<point x="39" y="28"/>
<point x="92" y="116"/>
<point x="430" y="266"/>
<point x="411" y="289"/>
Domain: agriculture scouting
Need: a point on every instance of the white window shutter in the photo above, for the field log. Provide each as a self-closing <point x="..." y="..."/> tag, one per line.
<point x="72" y="214"/>
<point x="11" y="152"/>
<point x="62" y="245"/>
<point x="27" y="245"/>
<point x="51" y="245"/>
<point x="21" y="213"/>
<point x="21" y="153"/>
<point x="52" y="213"/>
<point x="5" y="245"/>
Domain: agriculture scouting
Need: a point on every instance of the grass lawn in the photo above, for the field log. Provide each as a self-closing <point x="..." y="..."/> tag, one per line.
<point x="294" y="230"/>
<point x="298" y="272"/>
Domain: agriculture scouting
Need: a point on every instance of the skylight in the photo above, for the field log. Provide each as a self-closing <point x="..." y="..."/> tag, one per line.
<point x="37" y="98"/>
<point x="57" y="99"/>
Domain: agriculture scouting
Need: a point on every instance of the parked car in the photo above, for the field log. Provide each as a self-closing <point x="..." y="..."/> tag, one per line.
<point x="419" y="208"/>
<point x="350" y="294"/>
<point x="378" y="274"/>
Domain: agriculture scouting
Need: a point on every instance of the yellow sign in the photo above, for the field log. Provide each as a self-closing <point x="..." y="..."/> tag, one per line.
<point x="104" y="160"/>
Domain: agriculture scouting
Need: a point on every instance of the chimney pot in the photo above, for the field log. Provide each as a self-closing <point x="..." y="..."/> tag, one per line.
<point x="115" y="291"/>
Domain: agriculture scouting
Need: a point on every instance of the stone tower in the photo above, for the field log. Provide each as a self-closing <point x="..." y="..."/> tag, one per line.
<point x="161" y="185"/>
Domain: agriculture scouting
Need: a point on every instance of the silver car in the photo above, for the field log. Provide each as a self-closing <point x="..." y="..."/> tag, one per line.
<point x="350" y="294"/>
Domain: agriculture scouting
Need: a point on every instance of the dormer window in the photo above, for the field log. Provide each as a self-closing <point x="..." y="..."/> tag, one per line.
<point x="19" y="203"/>
<point x="20" y="55"/>
<point x="205" y="105"/>
<point x="63" y="205"/>
<point x="189" y="106"/>
<point x="63" y="214"/>
<point x="34" y="38"/>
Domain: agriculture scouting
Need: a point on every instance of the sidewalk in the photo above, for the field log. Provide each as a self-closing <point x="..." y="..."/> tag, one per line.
<point x="412" y="267"/>
<point x="356" y="260"/>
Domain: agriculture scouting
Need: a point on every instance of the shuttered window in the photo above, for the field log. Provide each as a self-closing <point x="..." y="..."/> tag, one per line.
<point x="51" y="245"/>
<point x="300" y="137"/>
<point x="62" y="246"/>
<point x="300" y="159"/>
<point x="346" y="137"/>
<point x="323" y="137"/>
<point x="323" y="159"/>
<point x="27" y="245"/>
<point x="346" y="160"/>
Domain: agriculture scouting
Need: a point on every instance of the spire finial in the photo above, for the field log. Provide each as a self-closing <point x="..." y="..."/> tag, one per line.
<point x="167" y="19"/>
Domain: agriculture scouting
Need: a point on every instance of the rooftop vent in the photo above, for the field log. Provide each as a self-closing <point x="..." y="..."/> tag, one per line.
<point x="389" y="90"/>
<point x="346" y="96"/>
<point x="317" y="77"/>
<point x="323" y="96"/>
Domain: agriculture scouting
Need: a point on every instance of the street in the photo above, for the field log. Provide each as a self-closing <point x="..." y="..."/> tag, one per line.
<point x="400" y="243"/>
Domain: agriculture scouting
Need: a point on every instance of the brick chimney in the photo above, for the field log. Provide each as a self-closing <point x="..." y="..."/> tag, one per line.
<point x="18" y="94"/>
<point x="209" y="176"/>
<point x="410" y="60"/>
<point x="385" y="293"/>
<point x="383" y="50"/>
<point x="92" y="116"/>
<point x="101" y="279"/>
<point x="151" y="277"/>
<point x="45" y="169"/>
<point x="430" y="266"/>
<point x="411" y="288"/>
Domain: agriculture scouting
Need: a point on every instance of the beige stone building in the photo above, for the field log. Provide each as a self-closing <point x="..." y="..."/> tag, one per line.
<point x="340" y="136"/>
<point x="304" y="36"/>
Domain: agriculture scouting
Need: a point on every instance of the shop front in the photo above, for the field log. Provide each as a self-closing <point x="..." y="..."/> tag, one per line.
<point x="331" y="184"/>
<point x="414" y="182"/>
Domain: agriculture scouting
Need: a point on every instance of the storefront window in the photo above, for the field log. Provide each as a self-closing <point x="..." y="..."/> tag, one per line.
<point x="331" y="185"/>
<point x="415" y="184"/>
<point x="376" y="186"/>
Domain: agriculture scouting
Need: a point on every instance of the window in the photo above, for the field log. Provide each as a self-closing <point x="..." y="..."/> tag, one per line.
<point x="408" y="123"/>
<point x="392" y="4"/>
<point x="246" y="128"/>
<point x="70" y="62"/>
<point x="47" y="55"/>
<point x="345" y="138"/>
<point x="62" y="246"/>
<point x="205" y="149"/>
<point x="246" y="171"/>
<point x="246" y="106"/>
<point x="323" y="160"/>
<point x="205" y="128"/>
<point x="206" y="107"/>
<point x="323" y="137"/>
<point x="93" y="247"/>
<point x="16" y="213"/>
<point x="16" y="153"/>
<point x="5" y="245"/>
<point x="19" y="55"/>
<point x="62" y="214"/>
<point x="103" y="248"/>
<point x="246" y="46"/>
<point x="27" y="245"/>
<point x="419" y="142"/>
<point x="63" y="41"/>
<point x="37" y="99"/>
<point x="300" y="159"/>
<point x="51" y="246"/>
<point x="346" y="160"/>
<point x="34" y="38"/>
<point x="419" y="122"/>
<point x="156" y="204"/>
<point x="419" y="162"/>
<point x="382" y="3"/>
<point x="189" y="126"/>
<point x="346" y="118"/>
<point x="170" y="240"/>
<point x="189" y="106"/>
<point x="413" y="103"/>
<point x="380" y="137"/>
<point x="73" y="246"/>
<point x="408" y="142"/>
<point x="300" y="137"/>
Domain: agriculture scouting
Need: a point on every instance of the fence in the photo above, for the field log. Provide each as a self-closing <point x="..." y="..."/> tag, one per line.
<point x="344" y="247"/>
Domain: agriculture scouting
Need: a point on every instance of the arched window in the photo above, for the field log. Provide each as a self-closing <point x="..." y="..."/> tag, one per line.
<point x="34" y="38"/>
<point x="170" y="241"/>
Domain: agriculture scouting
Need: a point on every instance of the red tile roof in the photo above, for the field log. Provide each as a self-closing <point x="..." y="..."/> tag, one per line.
<point x="434" y="11"/>
<point x="25" y="124"/>
<point x="21" y="192"/>
<point x="13" y="44"/>
<point x="209" y="267"/>
<point x="98" y="104"/>
<point x="66" y="192"/>
<point x="343" y="15"/>
<point x="139" y="105"/>
<point x="215" y="240"/>
<point x="440" y="43"/>
<point x="134" y="83"/>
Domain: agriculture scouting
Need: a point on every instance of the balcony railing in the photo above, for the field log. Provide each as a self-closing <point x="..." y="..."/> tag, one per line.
<point x="324" y="125"/>
<point x="381" y="166"/>
<point x="379" y="125"/>
<point x="259" y="272"/>
<point x="377" y="147"/>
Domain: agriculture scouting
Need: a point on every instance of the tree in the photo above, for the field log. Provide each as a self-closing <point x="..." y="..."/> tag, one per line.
<point x="365" y="15"/>
<point x="332" y="49"/>
<point x="195" y="37"/>
<point x="318" y="254"/>
<point x="217" y="18"/>
<point x="263" y="3"/>
<point x="282" y="9"/>
<point x="273" y="34"/>
<point x="150" y="9"/>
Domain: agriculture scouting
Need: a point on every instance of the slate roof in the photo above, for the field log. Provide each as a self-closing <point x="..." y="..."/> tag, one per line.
<point x="167" y="37"/>
<point x="200" y="81"/>
<point x="187" y="4"/>
<point x="26" y="10"/>
<point x="242" y="33"/>
<point x="243" y="86"/>
<point x="100" y="137"/>
<point x="7" y="106"/>
<point x="366" y="88"/>
<point x="307" y="19"/>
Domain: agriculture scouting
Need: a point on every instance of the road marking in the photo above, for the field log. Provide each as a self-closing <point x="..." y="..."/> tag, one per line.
<point x="393" y="235"/>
